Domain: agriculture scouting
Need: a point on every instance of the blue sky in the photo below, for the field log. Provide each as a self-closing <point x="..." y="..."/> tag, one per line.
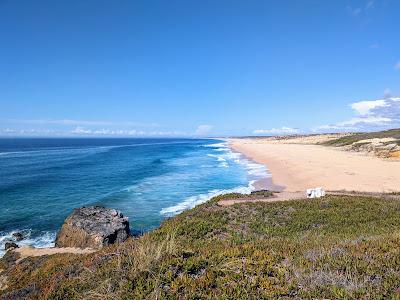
<point x="198" y="68"/>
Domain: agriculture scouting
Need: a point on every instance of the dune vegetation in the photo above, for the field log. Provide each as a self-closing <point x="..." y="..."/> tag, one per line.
<point x="338" y="246"/>
<point x="385" y="144"/>
<point x="358" y="137"/>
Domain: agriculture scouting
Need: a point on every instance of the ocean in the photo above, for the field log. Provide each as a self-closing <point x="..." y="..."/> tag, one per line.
<point x="42" y="180"/>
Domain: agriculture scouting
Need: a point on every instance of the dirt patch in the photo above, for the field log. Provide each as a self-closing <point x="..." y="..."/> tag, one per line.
<point x="395" y="154"/>
<point x="25" y="252"/>
<point x="281" y="196"/>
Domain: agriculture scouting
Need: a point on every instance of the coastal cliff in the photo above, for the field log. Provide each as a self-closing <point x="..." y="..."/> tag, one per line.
<point x="339" y="246"/>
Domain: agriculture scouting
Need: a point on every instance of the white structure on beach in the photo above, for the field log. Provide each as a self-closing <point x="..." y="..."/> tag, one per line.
<point x="315" y="193"/>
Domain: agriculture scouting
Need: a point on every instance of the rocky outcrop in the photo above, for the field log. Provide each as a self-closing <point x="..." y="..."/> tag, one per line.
<point x="93" y="227"/>
<point x="10" y="245"/>
<point x="18" y="236"/>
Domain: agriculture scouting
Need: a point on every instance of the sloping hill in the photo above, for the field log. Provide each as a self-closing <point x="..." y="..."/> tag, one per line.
<point x="335" y="247"/>
<point x="382" y="143"/>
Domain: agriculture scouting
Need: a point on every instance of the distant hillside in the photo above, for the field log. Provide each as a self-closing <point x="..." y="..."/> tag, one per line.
<point x="385" y="144"/>
<point x="382" y="143"/>
<point x="333" y="247"/>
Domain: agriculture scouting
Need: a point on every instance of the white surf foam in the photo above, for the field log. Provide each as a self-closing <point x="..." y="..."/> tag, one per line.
<point x="254" y="170"/>
<point x="193" y="201"/>
<point x="45" y="240"/>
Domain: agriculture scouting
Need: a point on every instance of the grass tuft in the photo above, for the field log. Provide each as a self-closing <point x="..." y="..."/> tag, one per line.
<point x="335" y="247"/>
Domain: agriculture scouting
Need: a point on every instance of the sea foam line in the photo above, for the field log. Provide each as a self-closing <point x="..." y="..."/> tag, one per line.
<point x="193" y="201"/>
<point x="254" y="170"/>
<point x="44" y="240"/>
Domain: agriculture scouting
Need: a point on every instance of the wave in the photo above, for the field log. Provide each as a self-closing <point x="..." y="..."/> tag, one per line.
<point x="193" y="201"/>
<point x="45" y="239"/>
<point x="216" y="145"/>
<point x="254" y="170"/>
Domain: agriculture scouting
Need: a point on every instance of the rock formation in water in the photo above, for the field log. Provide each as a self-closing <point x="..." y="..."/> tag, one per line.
<point x="10" y="246"/>
<point x="18" y="236"/>
<point x="93" y="227"/>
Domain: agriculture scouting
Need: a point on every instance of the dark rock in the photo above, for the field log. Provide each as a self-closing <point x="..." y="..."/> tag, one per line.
<point x="10" y="245"/>
<point x="93" y="227"/>
<point x="18" y="236"/>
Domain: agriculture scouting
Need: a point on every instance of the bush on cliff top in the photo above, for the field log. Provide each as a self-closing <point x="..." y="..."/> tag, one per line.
<point x="334" y="247"/>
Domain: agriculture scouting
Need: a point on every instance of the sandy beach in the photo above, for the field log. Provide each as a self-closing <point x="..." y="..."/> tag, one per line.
<point x="298" y="166"/>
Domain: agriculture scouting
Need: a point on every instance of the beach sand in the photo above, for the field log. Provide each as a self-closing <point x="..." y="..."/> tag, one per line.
<point x="298" y="166"/>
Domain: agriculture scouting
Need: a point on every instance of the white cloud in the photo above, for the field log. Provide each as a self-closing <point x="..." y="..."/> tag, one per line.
<point x="9" y="130"/>
<point x="397" y="66"/>
<point x="132" y="132"/>
<point x="329" y="128"/>
<point x="81" y="130"/>
<point x="364" y="107"/>
<point x="283" y="130"/>
<point x="25" y="132"/>
<point x="365" y="120"/>
<point x="370" y="115"/>
<point x="203" y="129"/>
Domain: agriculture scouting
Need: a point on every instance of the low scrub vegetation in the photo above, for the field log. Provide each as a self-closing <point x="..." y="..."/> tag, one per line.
<point x="333" y="247"/>
<point x="357" y="137"/>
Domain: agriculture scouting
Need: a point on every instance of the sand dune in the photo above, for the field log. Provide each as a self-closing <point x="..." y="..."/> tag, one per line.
<point x="295" y="167"/>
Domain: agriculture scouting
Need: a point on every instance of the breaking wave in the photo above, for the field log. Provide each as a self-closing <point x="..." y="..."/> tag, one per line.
<point x="193" y="201"/>
<point x="42" y="240"/>
<point x="225" y="156"/>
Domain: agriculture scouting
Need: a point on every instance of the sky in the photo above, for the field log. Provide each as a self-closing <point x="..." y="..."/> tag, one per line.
<point x="198" y="68"/>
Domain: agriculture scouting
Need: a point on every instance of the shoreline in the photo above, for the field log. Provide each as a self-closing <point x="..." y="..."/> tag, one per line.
<point x="257" y="181"/>
<point x="296" y="167"/>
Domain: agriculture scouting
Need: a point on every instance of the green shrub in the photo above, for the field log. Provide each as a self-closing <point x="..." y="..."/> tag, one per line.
<point x="333" y="247"/>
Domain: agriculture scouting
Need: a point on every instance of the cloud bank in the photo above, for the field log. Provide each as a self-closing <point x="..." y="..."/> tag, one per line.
<point x="370" y="115"/>
<point x="283" y="130"/>
<point x="131" y="132"/>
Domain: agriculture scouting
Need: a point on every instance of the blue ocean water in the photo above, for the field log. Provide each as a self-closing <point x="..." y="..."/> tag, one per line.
<point x="42" y="180"/>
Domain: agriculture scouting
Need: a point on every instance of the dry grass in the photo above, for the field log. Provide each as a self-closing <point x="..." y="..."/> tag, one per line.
<point x="340" y="246"/>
